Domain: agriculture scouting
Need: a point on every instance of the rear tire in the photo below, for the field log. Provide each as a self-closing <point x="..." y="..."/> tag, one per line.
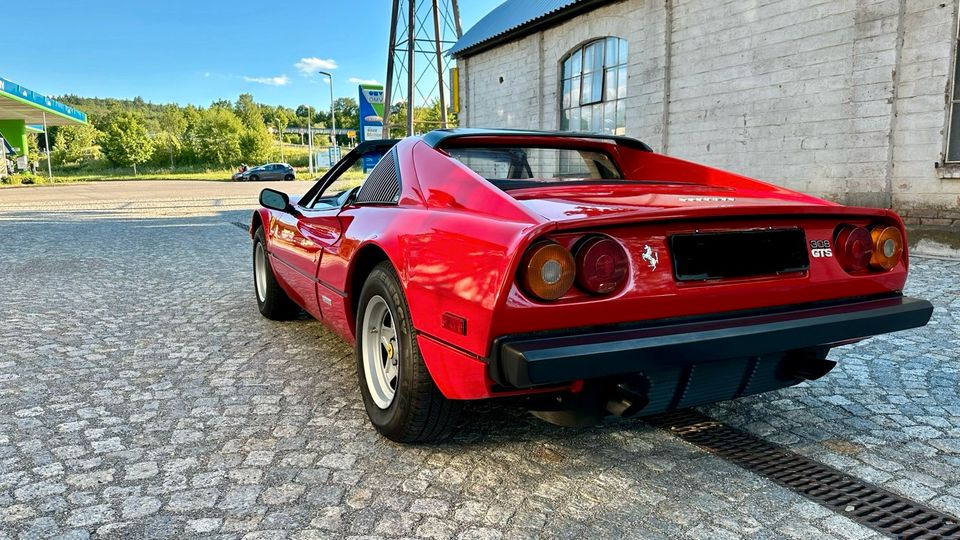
<point x="415" y="411"/>
<point x="288" y="177"/>
<point x="272" y="301"/>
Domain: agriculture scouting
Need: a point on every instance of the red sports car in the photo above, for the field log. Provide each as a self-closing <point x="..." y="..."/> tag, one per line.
<point x="582" y="272"/>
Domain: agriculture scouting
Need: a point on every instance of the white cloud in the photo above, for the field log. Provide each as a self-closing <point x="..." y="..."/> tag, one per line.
<point x="206" y="75"/>
<point x="280" y="80"/>
<point x="310" y="66"/>
<point x="363" y="81"/>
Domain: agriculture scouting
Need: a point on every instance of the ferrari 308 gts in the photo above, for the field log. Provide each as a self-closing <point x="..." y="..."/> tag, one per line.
<point x="581" y="273"/>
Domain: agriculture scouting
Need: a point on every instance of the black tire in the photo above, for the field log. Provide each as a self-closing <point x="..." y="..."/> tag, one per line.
<point x="288" y="177"/>
<point x="275" y="304"/>
<point x="418" y="412"/>
<point x="254" y="178"/>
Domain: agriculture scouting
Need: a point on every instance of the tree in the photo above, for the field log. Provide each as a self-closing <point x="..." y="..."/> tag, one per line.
<point x="33" y="144"/>
<point x="248" y="111"/>
<point x="73" y="143"/>
<point x="255" y="139"/>
<point x="173" y="124"/>
<point x="425" y="118"/>
<point x="281" y="118"/>
<point x="126" y="142"/>
<point x="215" y="137"/>
<point x="348" y="113"/>
<point x="222" y="104"/>
<point x="431" y="117"/>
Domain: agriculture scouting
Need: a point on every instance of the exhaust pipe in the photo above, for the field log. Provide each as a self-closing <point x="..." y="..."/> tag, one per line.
<point x="626" y="401"/>
<point x="806" y="367"/>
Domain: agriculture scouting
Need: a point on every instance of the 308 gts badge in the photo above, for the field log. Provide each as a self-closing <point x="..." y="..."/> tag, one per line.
<point x="820" y="248"/>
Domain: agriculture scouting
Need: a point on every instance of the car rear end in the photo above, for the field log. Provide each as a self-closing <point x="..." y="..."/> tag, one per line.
<point x="684" y="307"/>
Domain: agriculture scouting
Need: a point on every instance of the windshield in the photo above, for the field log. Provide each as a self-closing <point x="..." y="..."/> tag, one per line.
<point x="515" y="167"/>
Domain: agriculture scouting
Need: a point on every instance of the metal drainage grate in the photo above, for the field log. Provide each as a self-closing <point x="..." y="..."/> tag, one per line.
<point x="860" y="501"/>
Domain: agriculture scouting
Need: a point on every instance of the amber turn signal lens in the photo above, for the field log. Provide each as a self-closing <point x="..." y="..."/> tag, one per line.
<point x="887" y="247"/>
<point x="547" y="271"/>
<point x="601" y="265"/>
<point x="855" y="248"/>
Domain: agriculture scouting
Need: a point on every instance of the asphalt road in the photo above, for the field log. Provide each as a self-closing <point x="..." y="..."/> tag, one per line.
<point x="143" y="396"/>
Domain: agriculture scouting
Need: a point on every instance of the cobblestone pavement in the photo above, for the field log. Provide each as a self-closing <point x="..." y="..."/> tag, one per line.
<point x="143" y="396"/>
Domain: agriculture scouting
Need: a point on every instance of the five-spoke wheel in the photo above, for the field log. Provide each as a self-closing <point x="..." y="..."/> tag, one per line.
<point x="399" y="394"/>
<point x="380" y="351"/>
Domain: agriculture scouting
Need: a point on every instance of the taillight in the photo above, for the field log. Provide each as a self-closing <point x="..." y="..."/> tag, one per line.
<point x="887" y="247"/>
<point x="854" y="248"/>
<point x="547" y="270"/>
<point x="601" y="265"/>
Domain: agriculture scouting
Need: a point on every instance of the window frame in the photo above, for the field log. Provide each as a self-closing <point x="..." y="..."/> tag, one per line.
<point x="614" y="165"/>
<point x="953" y="99"/>
<point x="601" y="103"/>
<point x="309" y="199"/>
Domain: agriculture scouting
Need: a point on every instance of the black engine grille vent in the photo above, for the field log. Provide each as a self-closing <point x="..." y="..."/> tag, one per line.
<point x="383" y="184"/>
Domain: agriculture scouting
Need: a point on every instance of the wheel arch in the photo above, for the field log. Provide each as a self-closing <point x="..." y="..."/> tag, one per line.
<point x="256" y="221"/>
<point x="366" y="259"/>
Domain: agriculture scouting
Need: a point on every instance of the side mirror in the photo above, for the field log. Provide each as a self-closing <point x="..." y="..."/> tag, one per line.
<point x="274" y="200"/>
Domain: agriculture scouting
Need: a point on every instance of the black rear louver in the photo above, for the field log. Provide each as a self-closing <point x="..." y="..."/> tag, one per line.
<point x="383" y="184"/>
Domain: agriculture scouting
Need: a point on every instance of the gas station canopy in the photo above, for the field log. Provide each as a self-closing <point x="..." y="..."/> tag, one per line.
<point x="19" y="103"/>
<point x="23" y="111"/>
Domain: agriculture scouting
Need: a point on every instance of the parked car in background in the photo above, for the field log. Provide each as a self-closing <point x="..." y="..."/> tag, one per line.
<point x="584" y="273"/>
<point x="270" y="171"/>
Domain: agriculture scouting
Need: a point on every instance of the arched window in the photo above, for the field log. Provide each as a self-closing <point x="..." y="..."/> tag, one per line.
<point x="594" y="87"/>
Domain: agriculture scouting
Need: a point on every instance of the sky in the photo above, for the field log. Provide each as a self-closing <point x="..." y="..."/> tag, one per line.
<point x="195" y="52"/>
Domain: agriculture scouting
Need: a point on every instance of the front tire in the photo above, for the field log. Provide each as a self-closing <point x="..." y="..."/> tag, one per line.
<point x="401" y="400"/>
<point x="254" y="178"/>
<point x="272" y="301"/>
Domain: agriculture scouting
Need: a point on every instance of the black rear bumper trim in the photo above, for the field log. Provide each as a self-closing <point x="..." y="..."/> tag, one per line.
<point x="527" y="361"/>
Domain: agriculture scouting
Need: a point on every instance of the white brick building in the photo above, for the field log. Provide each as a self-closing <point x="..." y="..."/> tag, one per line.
<point x="846" y="99"/>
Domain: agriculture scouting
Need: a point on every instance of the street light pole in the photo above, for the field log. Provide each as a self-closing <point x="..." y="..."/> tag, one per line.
<point x="280" y="134"/>
<point x="309" y="139"/>
<point x="333" y="117"/>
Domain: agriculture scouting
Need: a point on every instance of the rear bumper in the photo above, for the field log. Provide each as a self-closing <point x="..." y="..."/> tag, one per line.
<point x="547" y="359"/>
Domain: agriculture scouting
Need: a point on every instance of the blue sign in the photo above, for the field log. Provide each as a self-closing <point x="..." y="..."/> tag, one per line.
<point x="371" y="112"/>
<point x="371" y="120"/>
<point x="370" y="161"/>
<point x="14" y="89"/>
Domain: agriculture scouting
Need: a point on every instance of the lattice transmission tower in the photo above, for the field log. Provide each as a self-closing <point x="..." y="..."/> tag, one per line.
<point x="421" y="31"/>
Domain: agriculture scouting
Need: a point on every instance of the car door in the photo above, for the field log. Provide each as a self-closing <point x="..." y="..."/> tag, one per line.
<point x="298" y="241"/>
<point x="300" y="236"/>
<point x="269" y="173"/>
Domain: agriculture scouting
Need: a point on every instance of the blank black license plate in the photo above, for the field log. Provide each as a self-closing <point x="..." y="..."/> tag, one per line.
<point x="732" y="254"/>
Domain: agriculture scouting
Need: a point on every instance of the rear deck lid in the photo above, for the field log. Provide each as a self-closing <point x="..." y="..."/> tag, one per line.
<point x="588" y="200"/>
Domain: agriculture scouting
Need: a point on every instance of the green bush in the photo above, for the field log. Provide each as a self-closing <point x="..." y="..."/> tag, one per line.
<point x="25" y="178"/>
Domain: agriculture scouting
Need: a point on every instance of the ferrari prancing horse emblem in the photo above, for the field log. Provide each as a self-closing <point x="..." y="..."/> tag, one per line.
<point x="651" y="256"/>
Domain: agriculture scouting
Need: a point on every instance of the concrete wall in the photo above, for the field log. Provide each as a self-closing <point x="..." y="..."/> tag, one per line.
<point x="803" y="93"/>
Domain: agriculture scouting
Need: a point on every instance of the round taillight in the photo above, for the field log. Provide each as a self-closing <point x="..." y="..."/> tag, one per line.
<point x="887" y="247"/>
<point x="601" y="265"/>
<point x="855" y="248"/>
<point x="547" y="271"/>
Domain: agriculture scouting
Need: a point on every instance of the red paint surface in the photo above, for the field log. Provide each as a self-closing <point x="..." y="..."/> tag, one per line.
<point x="455" y="241"/>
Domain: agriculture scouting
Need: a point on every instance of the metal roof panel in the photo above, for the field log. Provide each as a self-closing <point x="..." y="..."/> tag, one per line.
<point x="507" y="17"/>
